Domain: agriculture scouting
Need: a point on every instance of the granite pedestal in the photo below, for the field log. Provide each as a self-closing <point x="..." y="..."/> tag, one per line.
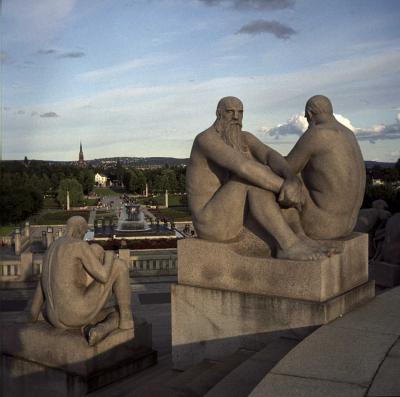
<point x="225" y="299"/>
<point x="37" y="359"/>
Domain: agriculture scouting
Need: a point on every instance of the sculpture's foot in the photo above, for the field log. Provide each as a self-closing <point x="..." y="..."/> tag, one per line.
<point x="300" y="251"/>
<point x="94" y="334"/>
<point x="333" y="246"/>
<point x="125" y="319"/>
<point x="327" y="248"/>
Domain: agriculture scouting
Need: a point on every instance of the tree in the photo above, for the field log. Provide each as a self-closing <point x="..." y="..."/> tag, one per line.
<point x="134" y="180"/>
<point x="75" y="192"/>
<point x="18" y="199"/>
<point x="86" y="179"/>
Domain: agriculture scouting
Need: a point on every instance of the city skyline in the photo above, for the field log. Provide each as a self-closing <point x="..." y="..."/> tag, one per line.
<point x="142" y="78"/>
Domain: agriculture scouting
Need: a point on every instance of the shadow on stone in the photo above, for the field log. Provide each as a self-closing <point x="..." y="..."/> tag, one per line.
<point x="38" y="359"/>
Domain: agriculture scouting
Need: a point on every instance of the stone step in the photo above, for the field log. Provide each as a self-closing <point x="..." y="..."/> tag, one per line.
<point x="160" y="373"/>
<point x="245" y="377"/>
<point x="187" y="376"/>
<point x="195" y="383"/>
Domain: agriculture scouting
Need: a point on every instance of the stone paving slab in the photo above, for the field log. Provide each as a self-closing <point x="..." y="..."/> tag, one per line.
<point x="337" y="354"/>
<point x="358" y="354"/>
<point x="286" y="386"/>
<point x="387" y="380"/>
<point x="380" y="315"/>
<point x="240" y="382"/>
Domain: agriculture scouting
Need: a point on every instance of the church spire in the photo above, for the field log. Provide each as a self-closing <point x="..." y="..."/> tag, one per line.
<point x="81" y="161"/>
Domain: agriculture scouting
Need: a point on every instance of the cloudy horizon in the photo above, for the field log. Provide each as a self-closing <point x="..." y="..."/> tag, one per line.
<point x="142" y="79"/>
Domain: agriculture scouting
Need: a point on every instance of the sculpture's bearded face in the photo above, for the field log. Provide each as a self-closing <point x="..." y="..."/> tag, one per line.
<point x="230" y="116"/>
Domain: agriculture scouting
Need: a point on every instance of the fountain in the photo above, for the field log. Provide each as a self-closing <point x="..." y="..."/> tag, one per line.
<point x="133" y="225"/>
<point x="132" y="219"/>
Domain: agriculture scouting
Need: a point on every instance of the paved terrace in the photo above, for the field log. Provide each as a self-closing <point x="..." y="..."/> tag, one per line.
<point x="353" y="356"/>
<point x="356" y="355"/>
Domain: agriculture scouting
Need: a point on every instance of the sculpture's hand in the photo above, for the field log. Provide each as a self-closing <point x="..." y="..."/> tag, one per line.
<point x="291" y="193"/>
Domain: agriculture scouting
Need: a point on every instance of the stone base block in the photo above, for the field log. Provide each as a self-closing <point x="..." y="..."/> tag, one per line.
<point x="386" y="274"/>
<point x="247" y="269"/>
<point x="211" y="323"/>
<point x="38" y="359"/>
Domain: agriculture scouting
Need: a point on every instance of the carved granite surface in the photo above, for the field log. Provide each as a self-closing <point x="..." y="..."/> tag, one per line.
<point x="235" y="182"/>
<point x="75" y="286"/>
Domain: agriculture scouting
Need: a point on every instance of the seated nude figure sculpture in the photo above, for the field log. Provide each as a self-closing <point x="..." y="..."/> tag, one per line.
<point x="75" y="286"/>
<point x="333" y="172"/>
<point x="232" y="174"/>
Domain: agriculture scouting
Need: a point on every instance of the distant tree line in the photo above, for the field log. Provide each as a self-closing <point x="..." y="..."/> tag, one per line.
<point x="158" y="180"/>
<point x="23" y="186"/>
<point x="388" y="191"/>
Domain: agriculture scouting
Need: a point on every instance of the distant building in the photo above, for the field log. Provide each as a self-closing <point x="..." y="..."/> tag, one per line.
<point x="101" y="180"/>
<point x="377" y="182"/>
<point x="81" y="161"/>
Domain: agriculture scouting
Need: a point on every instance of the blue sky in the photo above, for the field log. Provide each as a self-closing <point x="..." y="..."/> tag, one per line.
<point x="143" y="77"/>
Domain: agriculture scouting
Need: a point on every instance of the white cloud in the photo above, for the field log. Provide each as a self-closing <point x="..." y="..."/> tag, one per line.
<point x="379" y="132"/>
<point x="345" y="121"/>
<point x="297" y="124"/>
<point x="133" y="120"/>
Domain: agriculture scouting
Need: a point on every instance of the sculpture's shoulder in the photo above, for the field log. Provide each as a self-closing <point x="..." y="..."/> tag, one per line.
<point x="209" y="133"/>
<point x="250" y="139"/>
<point x="72" y="245"/>
<point x="326" y="136"/>
<point x="203" y="142"/>
<point x="331" y="130"/>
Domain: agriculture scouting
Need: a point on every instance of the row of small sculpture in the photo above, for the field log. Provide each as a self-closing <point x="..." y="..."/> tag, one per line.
<point x="384" y="232"/>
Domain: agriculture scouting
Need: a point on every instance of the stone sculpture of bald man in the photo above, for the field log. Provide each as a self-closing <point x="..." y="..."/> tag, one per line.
<point x="71" y="298"/>
<point x="332" y="168"/>
<point x="233" y="175"/>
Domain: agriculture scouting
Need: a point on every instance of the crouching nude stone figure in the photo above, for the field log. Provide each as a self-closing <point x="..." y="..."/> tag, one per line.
<point x="75" y="286"/>
<point x="233" y="175"/>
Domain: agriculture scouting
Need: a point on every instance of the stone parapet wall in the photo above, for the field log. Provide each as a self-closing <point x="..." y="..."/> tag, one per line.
<point x="151" y="262"/>
<point x="28" y="266"/>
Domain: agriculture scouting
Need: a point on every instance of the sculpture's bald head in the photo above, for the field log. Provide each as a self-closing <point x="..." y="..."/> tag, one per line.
<point x="318" y="105"/>
<point x="76" y="227"/>
<point x="229" y="102"/>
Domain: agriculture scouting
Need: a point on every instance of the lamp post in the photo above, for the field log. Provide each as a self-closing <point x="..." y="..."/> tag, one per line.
<point x="68" y="207"/>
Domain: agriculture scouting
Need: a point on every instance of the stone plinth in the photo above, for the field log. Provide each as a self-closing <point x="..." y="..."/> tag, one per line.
<point x="215" y="265"/>
<point x="38" y="359"/>
<point x="225" y="300"/>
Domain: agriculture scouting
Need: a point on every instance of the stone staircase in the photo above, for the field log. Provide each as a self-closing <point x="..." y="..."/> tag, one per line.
<point x="235" y="375"/>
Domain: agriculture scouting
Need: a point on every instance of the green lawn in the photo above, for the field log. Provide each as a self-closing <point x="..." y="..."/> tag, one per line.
<point x="50" y="203"/>
<point x="104" y="213"/>
<point x="57" y="217"/>
<point x="91" y="201"/>
<point x="105" y="191"/>
<point x="173" y="200"/>
<point x="177" y="214"/>
<point x="6" y="230"/>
